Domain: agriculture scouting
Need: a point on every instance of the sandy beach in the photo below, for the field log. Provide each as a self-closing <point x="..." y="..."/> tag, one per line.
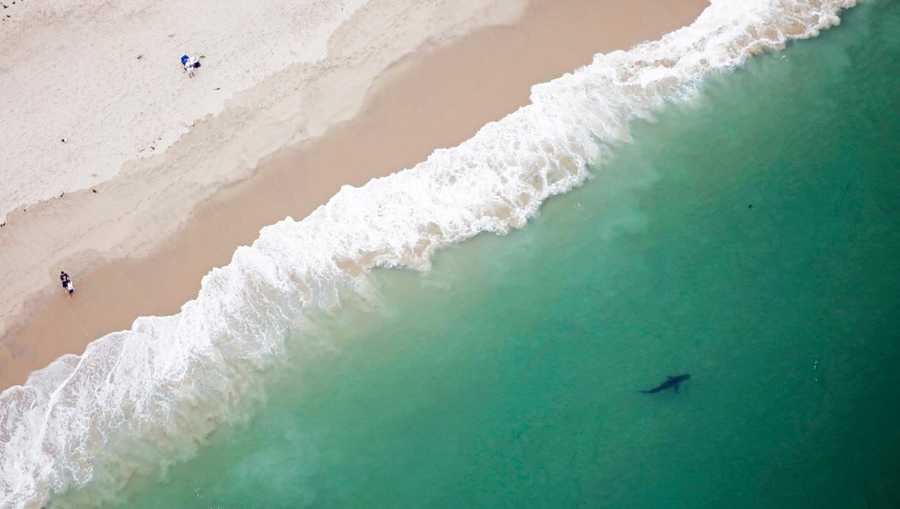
<point x="140" y="245"/>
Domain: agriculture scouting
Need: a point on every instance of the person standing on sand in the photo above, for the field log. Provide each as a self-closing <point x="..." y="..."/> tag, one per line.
<point x="66" y="282"/>
<point x="189" y="65"/>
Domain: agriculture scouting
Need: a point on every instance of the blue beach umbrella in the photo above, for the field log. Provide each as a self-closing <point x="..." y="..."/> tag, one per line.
<point x="184" y="59"/>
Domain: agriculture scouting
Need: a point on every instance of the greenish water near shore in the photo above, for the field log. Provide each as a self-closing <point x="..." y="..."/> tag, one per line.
<point x="750" y="239"/>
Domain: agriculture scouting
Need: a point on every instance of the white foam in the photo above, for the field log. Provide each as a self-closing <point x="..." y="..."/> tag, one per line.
<point x="169" y="380"/>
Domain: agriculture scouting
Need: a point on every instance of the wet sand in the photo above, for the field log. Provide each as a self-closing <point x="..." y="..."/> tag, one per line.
<point x="437" y="97"/>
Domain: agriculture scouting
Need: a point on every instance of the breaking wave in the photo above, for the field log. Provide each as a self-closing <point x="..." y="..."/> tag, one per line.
<point x="156" y="390"/>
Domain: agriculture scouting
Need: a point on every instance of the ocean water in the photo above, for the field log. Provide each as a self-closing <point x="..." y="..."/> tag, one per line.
<point x="739" y="226"/>
<point x="748" y="236"/>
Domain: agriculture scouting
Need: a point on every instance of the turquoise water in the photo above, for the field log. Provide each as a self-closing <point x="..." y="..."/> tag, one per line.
<point x="750" y="239"/>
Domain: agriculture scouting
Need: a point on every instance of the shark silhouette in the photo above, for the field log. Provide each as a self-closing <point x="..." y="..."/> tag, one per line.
<point x="672" y="382"/>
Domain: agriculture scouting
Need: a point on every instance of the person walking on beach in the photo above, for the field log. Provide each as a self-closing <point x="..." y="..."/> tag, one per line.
<point x="66" y="282"/>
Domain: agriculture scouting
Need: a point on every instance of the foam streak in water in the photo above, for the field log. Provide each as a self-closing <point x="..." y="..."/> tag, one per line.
<point x="154" y="391"/>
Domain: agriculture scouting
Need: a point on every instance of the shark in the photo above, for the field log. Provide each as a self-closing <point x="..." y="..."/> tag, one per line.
<point x="672" y="382"/>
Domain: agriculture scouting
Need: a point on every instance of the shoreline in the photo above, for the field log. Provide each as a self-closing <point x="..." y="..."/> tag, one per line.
<point x="438" y="96"/>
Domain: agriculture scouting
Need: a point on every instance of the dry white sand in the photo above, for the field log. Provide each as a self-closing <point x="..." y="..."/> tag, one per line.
<point x="88" y="85"/>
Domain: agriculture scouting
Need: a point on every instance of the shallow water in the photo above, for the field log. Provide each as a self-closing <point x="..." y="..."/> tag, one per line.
<point x="749" y="239"/>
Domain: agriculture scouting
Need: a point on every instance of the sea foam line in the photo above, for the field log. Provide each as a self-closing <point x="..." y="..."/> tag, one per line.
<point x="160" y="387"/>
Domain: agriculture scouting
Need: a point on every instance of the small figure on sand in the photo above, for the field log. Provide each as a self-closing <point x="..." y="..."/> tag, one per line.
<point x="66" y="282"/>
<point x="189" y="65"/>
